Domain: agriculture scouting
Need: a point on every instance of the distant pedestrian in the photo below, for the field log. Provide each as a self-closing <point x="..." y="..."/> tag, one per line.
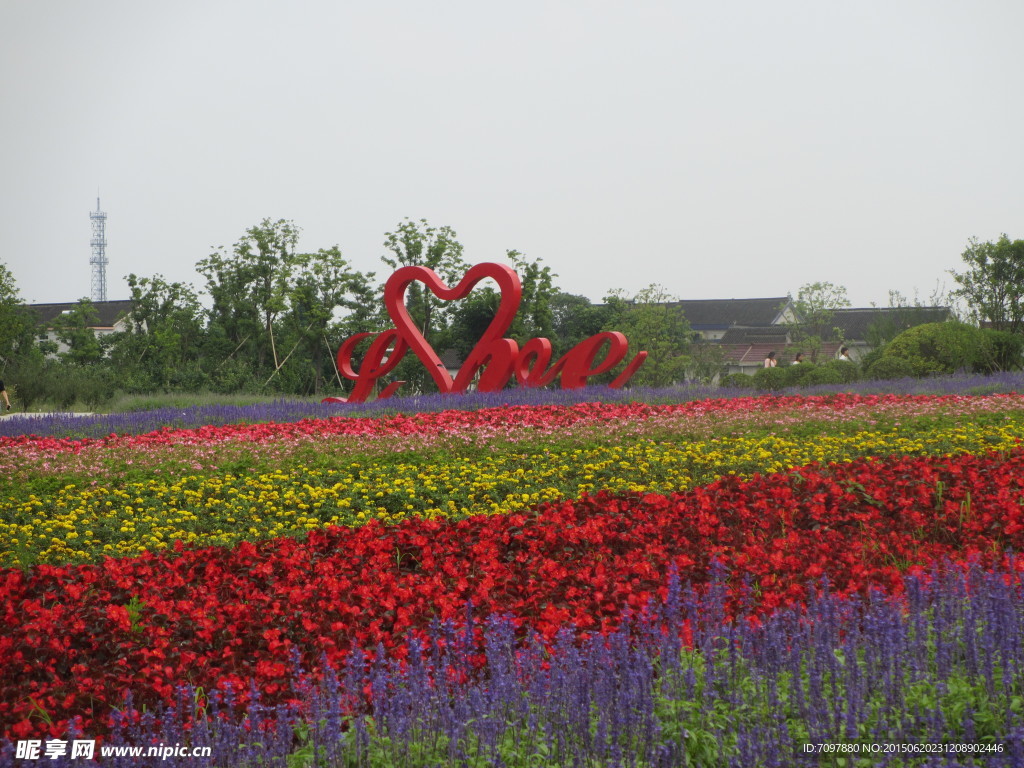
<point x="798" y="359"/>
<point x="770" y="361"/>
<point x="3" y="391"/>
<point x="844" y="354"/>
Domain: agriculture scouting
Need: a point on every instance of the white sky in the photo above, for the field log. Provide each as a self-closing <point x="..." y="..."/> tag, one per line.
<point x="722" y="149"/>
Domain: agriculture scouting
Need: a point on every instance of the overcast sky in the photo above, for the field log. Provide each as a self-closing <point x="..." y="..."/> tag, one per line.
<point x="720" y="149"/>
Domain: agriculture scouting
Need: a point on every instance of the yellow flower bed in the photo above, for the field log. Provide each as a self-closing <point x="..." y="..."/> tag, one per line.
<point x="84" y="524"/>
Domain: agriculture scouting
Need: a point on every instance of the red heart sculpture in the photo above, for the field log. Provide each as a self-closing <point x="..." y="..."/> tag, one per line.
<point x="491" y="348"/>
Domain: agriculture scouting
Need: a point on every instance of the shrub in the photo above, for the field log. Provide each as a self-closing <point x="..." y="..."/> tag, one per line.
<point x="95" y="386"/>
<point x="63" y="388"/>
<point x="770" y="379"/>
<point x="871" y="358"/>
<point x="890" y="368"/>
<point x="833" y="372"/>
<point x="941" y="348"/>
<point x="823" y="375"/>
<point x="133" y="381"/>
<point x="738" y="380"/>
<point x="233" y="375"/>
<point x="30" y="379"/>
<point x="1007" y="350"/>
<point x="796" y="375"/>
<point x="189" y="377"/>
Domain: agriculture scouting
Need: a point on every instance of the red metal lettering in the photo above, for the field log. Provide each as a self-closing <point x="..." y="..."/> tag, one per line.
<point x="494" y="358"/>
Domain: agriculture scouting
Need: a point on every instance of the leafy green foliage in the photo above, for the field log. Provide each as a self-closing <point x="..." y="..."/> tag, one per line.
<point x="574" y="319"/>
<point x="797" y="375"/>
<point x="16" y="325"/>
<point x="707" y="360"/>
<point x="165" y="330"/>
<point x="418" y="243"/>
<point x="654" y="322"/>
<point x="815" y="305"/>
<point x="249" y="286"/>
<point x="941" y="348"/>
<point x="889" y="368"/>
<point x="327" y="298"/>
<point x="28" y="375"/>
<point x="470" y="317"/>
<point x="1007" y="350"/>
<point x="535" y="318"/>
<point x="740" y="380"/>
<point x="437" y="248"/>
<point x="74" y="330"/>
<point x="770" y="379"/>
<point x="993" y="283"/>
<point x="834" y="372"/>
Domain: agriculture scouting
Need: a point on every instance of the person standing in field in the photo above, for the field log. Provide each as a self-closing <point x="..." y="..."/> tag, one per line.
<point x="3" y="392"/>
<point x="770" y="361"/>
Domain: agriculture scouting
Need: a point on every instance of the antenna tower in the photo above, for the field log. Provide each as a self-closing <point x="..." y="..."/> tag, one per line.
<point x="98" y="260"/>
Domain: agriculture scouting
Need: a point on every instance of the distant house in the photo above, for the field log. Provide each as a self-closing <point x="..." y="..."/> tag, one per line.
<point x="748" y="329"/>
<point x="111" y="319"/>
<point x="860" y="327"/>
<point x="745" y="329"/>
<point x="745" y="349"/>
<point x="712" y="318"/>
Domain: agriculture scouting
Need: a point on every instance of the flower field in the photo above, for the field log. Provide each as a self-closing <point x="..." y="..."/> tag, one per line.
<point x="716" y="582"/>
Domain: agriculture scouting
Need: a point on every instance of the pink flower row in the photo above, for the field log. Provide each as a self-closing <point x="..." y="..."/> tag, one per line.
<point x="533" y="420"/>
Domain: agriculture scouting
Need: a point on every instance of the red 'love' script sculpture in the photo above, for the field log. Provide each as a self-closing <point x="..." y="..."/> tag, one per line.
<point x="494" y="358"/>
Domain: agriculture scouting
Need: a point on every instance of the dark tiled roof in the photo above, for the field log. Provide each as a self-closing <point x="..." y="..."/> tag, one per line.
<point x="109" y="311"/>
<point x="705" y="314"/>
<point x="777" y="335"/>
<point x="855" y="323"/>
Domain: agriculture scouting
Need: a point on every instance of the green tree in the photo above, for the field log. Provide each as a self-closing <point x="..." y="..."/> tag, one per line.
<point x="327" y="293"/>
<point x="16" y="323"/>
<point x="535" y="318"/>
<point x="419" y="244"/>
<point x="814" y="307"/>
<point x="74" y="328"/>
<point x="574" y="318"/>
<point x="164" y="331"/>
<point x="1006" y="348"/>
<point x="437" y="248"/>
<point x="652" y="321"/>
<point x="707" y="360"/>
<point x="993" y="284"/>
<point x="250" y="286"/>
<point x="30" y="378"/>
<point x="469" y="321"/>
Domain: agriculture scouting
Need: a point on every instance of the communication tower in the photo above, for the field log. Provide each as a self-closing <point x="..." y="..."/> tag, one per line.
<point x="98" y="260"/>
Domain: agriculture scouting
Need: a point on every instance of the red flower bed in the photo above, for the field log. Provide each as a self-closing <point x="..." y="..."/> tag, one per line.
<point x="75" y="638"/>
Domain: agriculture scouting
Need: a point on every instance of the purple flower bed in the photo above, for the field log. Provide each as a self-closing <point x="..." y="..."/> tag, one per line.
<point x="65" y="425"/>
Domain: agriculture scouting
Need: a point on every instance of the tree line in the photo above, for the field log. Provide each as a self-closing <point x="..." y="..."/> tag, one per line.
<point x="274" y="316"/>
